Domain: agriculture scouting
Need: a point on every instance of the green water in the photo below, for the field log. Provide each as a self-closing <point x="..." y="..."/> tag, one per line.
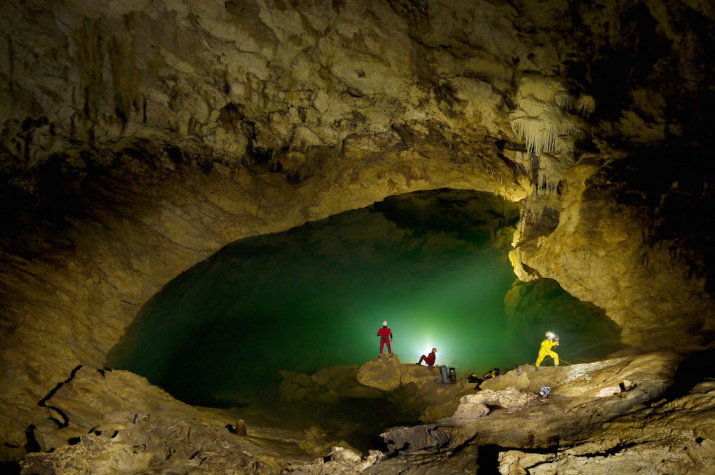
<point x="434" y="265"/>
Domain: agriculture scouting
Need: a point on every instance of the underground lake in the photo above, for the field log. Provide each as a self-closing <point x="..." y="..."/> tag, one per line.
<point x="434" y="265"/>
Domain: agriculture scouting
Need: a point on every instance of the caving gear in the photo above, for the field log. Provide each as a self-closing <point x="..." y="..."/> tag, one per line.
<point x="384" y="323"/>
<point x="473" y="378"/>
<point x="545" y="390"/>
<point x="546" y="350"/>
<point x="452" y="376"/>
<point x="385" y="335"/>
<point x="492" y="374"/>
<point x="444" y="374"/>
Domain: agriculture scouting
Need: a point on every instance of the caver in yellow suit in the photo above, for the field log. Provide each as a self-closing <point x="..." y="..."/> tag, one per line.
<point x="552" y="341"/>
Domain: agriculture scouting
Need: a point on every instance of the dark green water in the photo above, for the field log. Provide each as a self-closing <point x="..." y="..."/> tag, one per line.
<point x="434" y="265"/>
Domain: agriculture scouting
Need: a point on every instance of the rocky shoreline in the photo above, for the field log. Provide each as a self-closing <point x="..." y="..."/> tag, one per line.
<point x="619" y="415"/>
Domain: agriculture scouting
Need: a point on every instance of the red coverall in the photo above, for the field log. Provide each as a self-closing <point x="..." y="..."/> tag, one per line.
<point x="429" y="359"/>
<point x="385" y="335"/>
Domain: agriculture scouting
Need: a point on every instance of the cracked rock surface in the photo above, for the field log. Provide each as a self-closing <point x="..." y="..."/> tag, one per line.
<point x="139" y="137"/>
<point x="116" y="422"/>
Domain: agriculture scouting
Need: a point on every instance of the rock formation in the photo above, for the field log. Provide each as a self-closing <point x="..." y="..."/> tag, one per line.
<point x="139" y="137"/>
<point x="116" y="422"/>
<point x="569" y="430"/>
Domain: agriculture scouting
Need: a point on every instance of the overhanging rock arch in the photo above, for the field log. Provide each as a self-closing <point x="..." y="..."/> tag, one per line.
<point x="139" y="139"/>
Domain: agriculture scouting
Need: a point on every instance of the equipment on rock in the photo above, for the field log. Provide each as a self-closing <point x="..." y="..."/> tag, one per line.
<point x="452" y="376"/>
<point x="545" y="390"/>
<point x="445" y="376"/>
<point x="473" y="378"/>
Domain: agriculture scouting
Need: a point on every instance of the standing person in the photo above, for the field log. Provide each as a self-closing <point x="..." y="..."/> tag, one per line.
<point x="551" y="341"/>
<point x="385" y="335"/>
<point x="429" y="359"/>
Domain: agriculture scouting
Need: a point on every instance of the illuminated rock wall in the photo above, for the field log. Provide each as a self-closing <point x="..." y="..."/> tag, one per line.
<point x="137" y="138"/>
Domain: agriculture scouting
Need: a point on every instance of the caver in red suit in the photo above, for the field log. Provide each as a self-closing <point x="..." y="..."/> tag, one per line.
<point x="430" y="358"/>
<point x="385" y="335"/>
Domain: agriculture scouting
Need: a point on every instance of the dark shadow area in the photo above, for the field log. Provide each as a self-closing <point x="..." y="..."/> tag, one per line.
<point x="10" y="468"/>
<point x="693" y="370"/>
<point x="488" y="459"/>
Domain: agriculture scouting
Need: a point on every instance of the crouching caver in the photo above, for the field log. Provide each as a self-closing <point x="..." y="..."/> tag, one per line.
<point x="429" y="359"/>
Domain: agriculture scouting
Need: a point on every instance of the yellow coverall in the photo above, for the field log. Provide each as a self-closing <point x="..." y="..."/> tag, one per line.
<point x="546" y="350"/>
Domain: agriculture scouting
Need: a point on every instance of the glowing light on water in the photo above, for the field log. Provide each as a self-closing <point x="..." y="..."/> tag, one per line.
<point x="317" y="295"/>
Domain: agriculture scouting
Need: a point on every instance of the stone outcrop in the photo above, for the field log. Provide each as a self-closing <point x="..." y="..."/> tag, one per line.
<point x="137" y="138"/>
<point x="478" y="405"/>
<point x="437" y="399"/>
<point x="601" y="238"/>
<point x="382" y="372"/>
<point x="327" y="386"/>
<point x="116" y="422"/>
<point x="571" y="427"/>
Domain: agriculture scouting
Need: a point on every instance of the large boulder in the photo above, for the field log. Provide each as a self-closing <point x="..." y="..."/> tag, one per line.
<point x="382" y="372"/>
<point x="478" y="405"/>
<point x="328" y="385"/>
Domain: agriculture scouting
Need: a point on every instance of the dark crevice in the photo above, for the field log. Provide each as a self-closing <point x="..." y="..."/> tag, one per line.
<point x="32" y="445"/>
<point x="10" y="468"/>
<point x="43" y="402"/>
<point x="693" y="370"/>
<point x="488" y="458"/>
<point x="612" y="451"/>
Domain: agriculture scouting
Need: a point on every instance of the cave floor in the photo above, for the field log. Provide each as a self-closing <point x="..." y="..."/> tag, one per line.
<point x="652" y="412"/>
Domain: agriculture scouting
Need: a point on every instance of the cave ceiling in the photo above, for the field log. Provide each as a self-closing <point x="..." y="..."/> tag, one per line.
<point x="139" y="137"/>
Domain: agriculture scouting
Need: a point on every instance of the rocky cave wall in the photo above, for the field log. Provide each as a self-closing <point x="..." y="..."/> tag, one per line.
<point x="139" y="137"/>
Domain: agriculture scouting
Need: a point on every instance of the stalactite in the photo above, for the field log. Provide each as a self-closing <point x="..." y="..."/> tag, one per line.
<point x="585" y="105"/>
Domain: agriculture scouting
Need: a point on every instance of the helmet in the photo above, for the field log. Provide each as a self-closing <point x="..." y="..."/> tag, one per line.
<point x="434" y="349"/>
<point x="550" y="335"/>
<point x="384" y="323"/>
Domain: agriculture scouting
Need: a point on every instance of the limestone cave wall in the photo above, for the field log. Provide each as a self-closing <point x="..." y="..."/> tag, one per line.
<point x="139" y="137"/>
